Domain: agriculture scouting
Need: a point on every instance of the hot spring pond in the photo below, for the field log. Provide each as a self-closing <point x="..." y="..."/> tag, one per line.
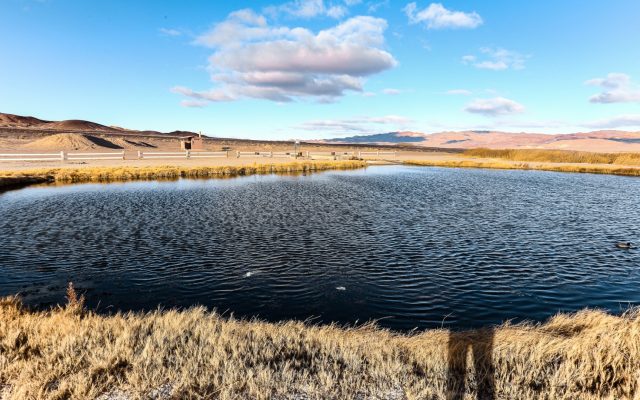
<point x="411" y="247"/>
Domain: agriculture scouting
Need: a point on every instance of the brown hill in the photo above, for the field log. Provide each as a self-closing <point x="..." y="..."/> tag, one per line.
<point x="26" y="127"/>
<point x="17" y="121"/>
<point x="71" y="141"/>
<point x="597" y="141"/>
<point x="76" y="125"/>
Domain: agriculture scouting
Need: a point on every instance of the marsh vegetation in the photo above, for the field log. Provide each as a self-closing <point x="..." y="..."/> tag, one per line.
<point x="69" y="352"/>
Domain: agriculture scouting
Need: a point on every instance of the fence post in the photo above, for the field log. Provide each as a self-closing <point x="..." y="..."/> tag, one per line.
<point x="359" y="154"/>
<point x="237" y="154"/>
<point x="308" y="155"/>
<point x="187" y="153"/>
<point x="378" y="154"/>
<point x="123" y="154"/>
<point x="227" y="153"/>
<point x="139" y="155"/>
<point x="62" y="156"/>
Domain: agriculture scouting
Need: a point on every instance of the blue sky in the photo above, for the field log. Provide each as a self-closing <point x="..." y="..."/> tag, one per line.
<point x="317" y="69"/>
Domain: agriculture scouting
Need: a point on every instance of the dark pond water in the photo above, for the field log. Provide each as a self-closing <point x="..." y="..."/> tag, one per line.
<point x="413" y="247"/>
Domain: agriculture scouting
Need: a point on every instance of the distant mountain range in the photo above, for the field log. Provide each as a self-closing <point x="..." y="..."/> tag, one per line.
<point x="36" y="125"/>
<point x="598" y="141"/>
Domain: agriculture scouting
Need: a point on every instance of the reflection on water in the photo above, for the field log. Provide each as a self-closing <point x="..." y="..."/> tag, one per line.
<point x="412" y="247"/>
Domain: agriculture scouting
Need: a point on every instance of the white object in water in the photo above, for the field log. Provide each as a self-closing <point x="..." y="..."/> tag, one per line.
<point x="341" y="288"/>
<point x="248" y="274"/>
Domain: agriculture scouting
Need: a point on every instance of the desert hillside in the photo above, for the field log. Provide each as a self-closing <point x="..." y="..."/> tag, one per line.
<point x="20" y="134"/>
<point x="26" y="132"/>
<point x="597" y="141"/>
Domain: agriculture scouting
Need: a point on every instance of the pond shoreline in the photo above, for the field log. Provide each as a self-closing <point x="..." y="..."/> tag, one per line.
<point x="18" y="178"/>
<point x="619" y="170"/>
<point x="22" y="178"/>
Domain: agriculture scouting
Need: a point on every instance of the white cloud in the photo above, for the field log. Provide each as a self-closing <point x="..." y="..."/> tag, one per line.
<point x="462" y="92"/>
<point x="496" y="59"/>
<point x="436" y="16"/>
<point x="169" y="32"/>
<point x="194" y="103"/>
<point x="375" y="6"/>
<point x="391" y="92"/>
<point x="253" y="59"/>
<point x="359" y="124"/>
<point x="620" y="121"/>
<point x="212" y="95"/>
<point x="495" y="107"/>
<point x="618" y="88"/>
<point x="337" y="12"/>
<point x="311" y="9"/>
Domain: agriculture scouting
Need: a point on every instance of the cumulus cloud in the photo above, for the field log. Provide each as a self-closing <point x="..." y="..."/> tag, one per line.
<point x="253" y="59"/>
<point x="359" y="125"/>
<point x="436" y="16"/>
<point x="495" y="59"/>
<point x="462" y="92"/>
<point x="618" y="88"/>
<point x="495" y="107"/>
<point x="620" y="121"/>
<point x="311" y="9"/>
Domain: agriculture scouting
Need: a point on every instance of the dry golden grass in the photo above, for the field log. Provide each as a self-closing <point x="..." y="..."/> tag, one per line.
<point x="556" y="156"/>
<point x="588" y="169"/>
<point x="108" y="174"/>
<point x="70" y="353"/>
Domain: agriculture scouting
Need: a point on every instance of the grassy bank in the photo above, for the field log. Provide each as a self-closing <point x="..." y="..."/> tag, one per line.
<point x="71" y="353"/>
<point x="589" y="169"/>
<point x="109" y="174"/>
<point x="556" y="156"/>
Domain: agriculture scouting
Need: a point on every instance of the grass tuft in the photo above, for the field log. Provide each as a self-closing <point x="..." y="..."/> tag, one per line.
<point x="556" y="156"/>
<point x="111" y="174"/>
<point x="199" y="354"/>
<point x="586" y="169"/>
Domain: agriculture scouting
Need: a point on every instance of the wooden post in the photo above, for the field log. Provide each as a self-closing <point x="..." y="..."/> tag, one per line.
<point x="123" y="154"/>
<point x="187" y="153"/>
<point x="271" y="154"/>
<point x="227" y="153"/>
<point x="62" y="156"/>
<point x="237" y="154"/>
<point x="139" y="155"/>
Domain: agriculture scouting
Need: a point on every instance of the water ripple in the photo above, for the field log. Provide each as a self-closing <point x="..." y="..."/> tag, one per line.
<point x="410" y="247"/>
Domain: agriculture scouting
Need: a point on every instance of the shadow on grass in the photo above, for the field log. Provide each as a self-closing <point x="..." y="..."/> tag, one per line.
<point x="481" y="345"/>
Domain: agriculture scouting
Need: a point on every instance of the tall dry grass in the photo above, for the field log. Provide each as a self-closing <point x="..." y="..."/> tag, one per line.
<point x="556" y="156"/>
<point x="70" y="353"/>
<point x="108" y="174"/>
<point x="587" y="169"/>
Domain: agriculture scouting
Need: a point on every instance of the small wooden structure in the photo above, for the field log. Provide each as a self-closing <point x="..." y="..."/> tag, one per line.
<point x="195" y="143"/>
